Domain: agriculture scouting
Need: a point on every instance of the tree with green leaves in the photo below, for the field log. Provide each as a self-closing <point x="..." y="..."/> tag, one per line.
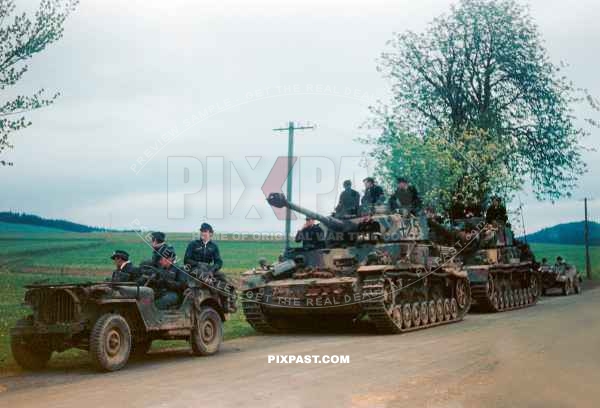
<point x="477" y="95"/>
<point x="21" y="37"/>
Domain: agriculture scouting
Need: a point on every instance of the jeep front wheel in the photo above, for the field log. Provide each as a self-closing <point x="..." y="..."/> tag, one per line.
<point x="28" y="354"/>
<point x="110" y="342"/>
<point x="207" y="333"/>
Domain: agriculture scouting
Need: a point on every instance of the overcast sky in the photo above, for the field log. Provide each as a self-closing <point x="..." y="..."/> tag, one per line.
<point x="214" y="78"/>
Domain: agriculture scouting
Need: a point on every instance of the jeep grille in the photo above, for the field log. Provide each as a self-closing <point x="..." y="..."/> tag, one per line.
<point x="56" y="306"/>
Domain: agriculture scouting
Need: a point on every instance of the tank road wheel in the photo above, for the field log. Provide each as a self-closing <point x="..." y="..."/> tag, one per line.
<point x="207" y="333"/>
<point x="447" y="311"/>
<point x="500" y="300"/>
<point x="495" y="301"/>
<point x="432" y="311"/>
<point x="406" y="316"/>
<point x="110" y="342"/>
<point x="511" y="298"/>
<point x="505" y="299"/>
<point x="453" y="308"/>
<point x="462" y="294"/>
<point x="529" y="296"/>
<point x="424" y="313"/>
<point x="416" y="314"/>
<point x="28" y="354"/>
<point x="397" y="315"/>
<point x="491" y="287"/>
<point x="518" y="297"/>
<point x="439" y="310"/>
<point x="389" y="294"/>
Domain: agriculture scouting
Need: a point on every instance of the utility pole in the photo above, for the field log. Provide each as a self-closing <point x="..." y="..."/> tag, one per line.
<point x="288" y="213"/>
<point x="588" y="266"/>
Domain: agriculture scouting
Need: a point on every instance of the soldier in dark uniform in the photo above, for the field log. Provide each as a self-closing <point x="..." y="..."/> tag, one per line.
<point x="125" y="271"/>
<point x="373" y="193"/>
<point x="458" y="208"/>
<point x="405" y="197"/>
<point x="349" y="201"/>
<point x="205" y="251"/>
<point x="311" y="235"/>
<point x="496" y="212"/>
<point x="170" y="281"/>
<point x="158" y="241"/>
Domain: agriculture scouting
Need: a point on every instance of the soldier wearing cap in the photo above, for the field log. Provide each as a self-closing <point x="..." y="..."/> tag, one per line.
<point x="311" y="235"/>
<point x="170" y="281"/>
<point x="158" y="241"/>
<point x="349" y="201"/>
<point x="406" y="197"/>
<point x="205" y="251"/>
<point x="125" y="271"/>
<point x="373" y="193"/>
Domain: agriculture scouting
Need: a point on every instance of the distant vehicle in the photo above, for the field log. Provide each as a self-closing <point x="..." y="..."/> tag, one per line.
<point x="561" y="276"/>
<point x="114" y="321"/>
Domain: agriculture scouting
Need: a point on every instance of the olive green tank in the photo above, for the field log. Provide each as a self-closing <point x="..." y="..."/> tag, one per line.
<point x="379" y="267"/>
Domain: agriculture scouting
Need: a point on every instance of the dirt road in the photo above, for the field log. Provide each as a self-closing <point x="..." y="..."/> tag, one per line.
<point x="544" y="356"/>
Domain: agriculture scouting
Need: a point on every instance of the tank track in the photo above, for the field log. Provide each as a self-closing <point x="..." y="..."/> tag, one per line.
<point x="387" y="322"/>
<point x="257" y="318"/>
<point x="494" y="301"/>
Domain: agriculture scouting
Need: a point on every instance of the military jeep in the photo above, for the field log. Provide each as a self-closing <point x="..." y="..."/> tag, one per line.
<point x="114" y="321"/>
<point x="561" y="276"/>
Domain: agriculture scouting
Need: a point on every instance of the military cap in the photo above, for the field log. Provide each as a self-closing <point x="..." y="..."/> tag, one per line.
<point x="347" y="183"/>
<point x="206" y="227"/>
<point x="158" y="236"/>
<point x="370" y="179"/>
<point x="166" y="251"/>
<point x="120" y="254"/>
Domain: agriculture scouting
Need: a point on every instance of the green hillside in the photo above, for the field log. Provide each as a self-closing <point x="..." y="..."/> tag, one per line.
<point x="20" y="218"/>
<point x="571" y="233"/>
<point x="6" y="227"/>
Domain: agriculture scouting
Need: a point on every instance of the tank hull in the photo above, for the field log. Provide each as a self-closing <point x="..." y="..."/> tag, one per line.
<point x="392" y="299"/>
<point x="504" y="287"/>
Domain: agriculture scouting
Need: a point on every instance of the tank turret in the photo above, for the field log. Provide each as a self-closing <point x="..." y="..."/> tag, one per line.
<point x="379" y="224"/>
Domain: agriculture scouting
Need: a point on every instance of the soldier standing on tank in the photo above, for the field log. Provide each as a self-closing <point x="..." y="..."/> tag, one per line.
<point x="373" y="193"/>
<point x="349" y="201"/>
<point x="205" y="251"/>
<point x="496" y="212"/>
<point x="311" y="235"/>
<point x="406" y="197"/>
<point x="458" y="208"/>
<point x="125" y="271"/>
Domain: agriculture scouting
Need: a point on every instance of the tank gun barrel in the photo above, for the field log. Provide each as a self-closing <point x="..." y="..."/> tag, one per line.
<point x="279" y="200"/>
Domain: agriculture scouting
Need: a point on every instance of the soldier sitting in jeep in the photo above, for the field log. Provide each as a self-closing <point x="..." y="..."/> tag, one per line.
<point x="125" y="271"/>
<point x="169" y="281"/>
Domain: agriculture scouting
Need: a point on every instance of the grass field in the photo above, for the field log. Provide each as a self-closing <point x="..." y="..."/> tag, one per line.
<point x="27" y="256"/>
